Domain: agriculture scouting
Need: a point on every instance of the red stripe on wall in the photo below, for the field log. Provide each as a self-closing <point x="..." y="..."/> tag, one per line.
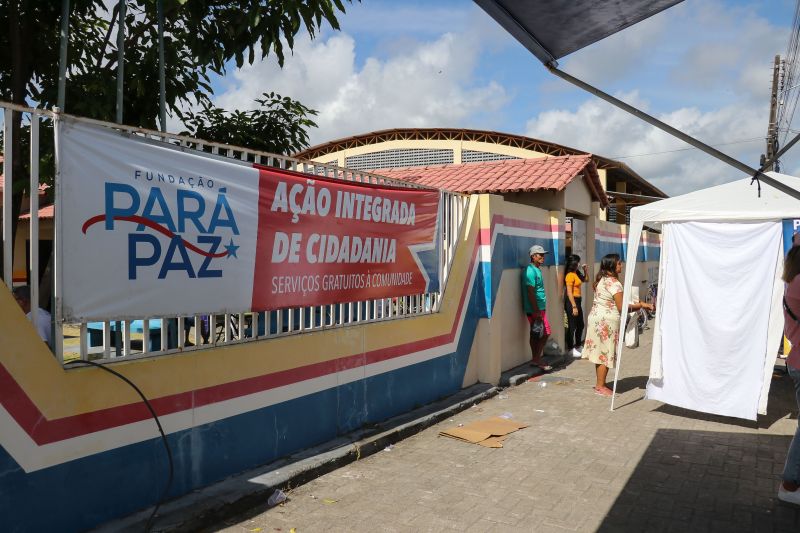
<point x="44" y="431"/>
<point x="610" y="234"/>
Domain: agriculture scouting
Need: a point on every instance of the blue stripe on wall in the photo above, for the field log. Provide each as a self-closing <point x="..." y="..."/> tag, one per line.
<point x="512" y="252"/>
<point x="652" y="253"/>
<point x="602" y="248"/>
<point x="122" y="481"/>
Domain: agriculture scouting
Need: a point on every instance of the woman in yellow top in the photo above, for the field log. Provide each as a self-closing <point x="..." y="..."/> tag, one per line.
<point x="572" y="304"/>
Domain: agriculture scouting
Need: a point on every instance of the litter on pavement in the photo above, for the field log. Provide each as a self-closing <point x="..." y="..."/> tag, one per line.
<point x="489" y="433"/>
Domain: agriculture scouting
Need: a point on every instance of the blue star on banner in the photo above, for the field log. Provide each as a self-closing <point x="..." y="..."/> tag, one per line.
<point x="231" y="249"/>
<point x="428" y="259"/>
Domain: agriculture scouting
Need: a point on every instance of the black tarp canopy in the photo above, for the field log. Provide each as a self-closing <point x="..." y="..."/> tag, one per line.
<point x="551" y="29"/>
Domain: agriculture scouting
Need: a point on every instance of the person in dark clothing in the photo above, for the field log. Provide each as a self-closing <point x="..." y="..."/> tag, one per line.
<point x="573" y="280"/>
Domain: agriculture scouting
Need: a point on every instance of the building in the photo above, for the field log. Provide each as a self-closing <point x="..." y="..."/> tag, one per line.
<point x="21" y="251"/>
<point x="420" y="147"/>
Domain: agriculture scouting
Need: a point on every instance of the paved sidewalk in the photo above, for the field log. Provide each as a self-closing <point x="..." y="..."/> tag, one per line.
<point x="578" y="467"/>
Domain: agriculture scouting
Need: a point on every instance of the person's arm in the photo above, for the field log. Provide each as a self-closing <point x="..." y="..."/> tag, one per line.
<point x="570" y="287"/>
<point x="530" y="286"/>
<point x="532" y="300"/>
<point x="632" y="306"/>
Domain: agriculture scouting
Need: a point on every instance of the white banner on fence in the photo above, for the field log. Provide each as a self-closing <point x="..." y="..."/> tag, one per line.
<point x="141" y="222"/>
<point x="147" y="229"/>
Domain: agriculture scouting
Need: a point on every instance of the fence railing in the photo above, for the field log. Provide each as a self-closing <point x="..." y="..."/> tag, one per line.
<point x="111" y="340"/>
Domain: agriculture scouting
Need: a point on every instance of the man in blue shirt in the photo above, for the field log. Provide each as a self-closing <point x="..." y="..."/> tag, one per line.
<point x="534" y="300"/>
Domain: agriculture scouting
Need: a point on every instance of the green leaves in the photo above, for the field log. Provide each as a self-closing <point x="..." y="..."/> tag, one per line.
<point x="277" y="126"/>
<point x="201" y="37"/>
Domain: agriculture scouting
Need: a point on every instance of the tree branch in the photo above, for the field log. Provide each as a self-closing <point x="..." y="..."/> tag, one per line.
<point x="107" y="38"/>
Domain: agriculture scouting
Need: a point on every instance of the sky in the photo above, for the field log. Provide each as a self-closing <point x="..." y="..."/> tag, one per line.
<point x="703" y="66"/>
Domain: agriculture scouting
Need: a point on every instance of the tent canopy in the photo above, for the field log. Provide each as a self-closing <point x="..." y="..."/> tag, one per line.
<point x="737" y="200"/>
<point x="551" y="29"/>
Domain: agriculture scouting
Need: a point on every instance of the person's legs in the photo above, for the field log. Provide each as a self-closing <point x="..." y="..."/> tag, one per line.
<point x="537" y="345"/>
<point x="571" y="325"/>
<point x="602" y="374"/>
<point x="534" y="346"/>
<point x="600" y="386"/>
<point x="579" y="324"/>
<point x="791" y="470"/>
<point x="188" y="323"/>
<point x="541" y="343"/>
<point x="205" y="329"/>
<point x="537" y="348"/>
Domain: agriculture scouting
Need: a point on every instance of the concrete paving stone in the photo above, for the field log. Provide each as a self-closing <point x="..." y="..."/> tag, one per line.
<point x="699" y="524"/>
<point x="549" y="524"/>
<point x="482" y="526"/>
<point x="614" y="527"/>
<point x="678" y="527"/>
<point x="578" y="467"/>
<point x="656" y="525"/>
<point x="784" y="514"/>
<point x="764" y="527"/>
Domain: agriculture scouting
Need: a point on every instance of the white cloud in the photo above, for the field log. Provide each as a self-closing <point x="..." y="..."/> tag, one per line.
<point x="663" y="160"/>
<point x="704" y="68"/>
<point x="424" y="84"/>
<point x="694" y="46"/>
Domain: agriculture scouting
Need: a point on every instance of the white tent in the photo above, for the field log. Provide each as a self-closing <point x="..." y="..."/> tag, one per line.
<point x="719" y="319"/>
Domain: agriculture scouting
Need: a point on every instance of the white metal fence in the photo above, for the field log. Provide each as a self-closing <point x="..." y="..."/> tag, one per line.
<point x="111" y="340"/>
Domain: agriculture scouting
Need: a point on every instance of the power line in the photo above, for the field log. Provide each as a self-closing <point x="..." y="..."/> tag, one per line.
<point x="791" y="70"/>
<point x="741" y="141"/>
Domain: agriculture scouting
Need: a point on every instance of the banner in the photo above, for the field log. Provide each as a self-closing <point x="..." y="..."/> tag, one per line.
<point x="790" y="227"/>
<point x="147" y="229"/>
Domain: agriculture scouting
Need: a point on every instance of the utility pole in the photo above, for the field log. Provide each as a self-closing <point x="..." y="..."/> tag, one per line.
<point x="772" y="129"/>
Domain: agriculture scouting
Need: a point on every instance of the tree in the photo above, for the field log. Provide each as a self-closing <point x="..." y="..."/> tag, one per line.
<point x="278" y="125"/>
<point x="202" y="37"/>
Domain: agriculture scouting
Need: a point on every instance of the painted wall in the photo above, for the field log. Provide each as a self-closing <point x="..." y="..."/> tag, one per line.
<point x="508" y="230"/>
<point x="613" y="238"/>
<point x="577" y="198"/>
<point x="81" y="431"/>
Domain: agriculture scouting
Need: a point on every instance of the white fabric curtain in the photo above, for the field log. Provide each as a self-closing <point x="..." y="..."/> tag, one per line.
<point x="774" y="331"/>
<point x="717" y="319"/>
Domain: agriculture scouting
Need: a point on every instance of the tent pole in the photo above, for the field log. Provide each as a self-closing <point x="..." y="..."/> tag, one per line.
<point x="710" y="150"/>
<point x="634" y="236"/>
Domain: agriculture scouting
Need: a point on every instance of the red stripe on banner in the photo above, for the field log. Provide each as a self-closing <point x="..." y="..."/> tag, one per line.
<point x="43" y="431"/>
<point x="152" y="225"/>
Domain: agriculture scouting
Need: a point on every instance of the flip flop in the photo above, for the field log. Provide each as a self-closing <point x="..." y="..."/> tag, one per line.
<point x="602" y="392"/>
<point x="543" y="367"/>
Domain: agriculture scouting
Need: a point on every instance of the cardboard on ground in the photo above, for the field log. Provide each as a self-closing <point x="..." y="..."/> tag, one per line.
<point x="490" y="432"/>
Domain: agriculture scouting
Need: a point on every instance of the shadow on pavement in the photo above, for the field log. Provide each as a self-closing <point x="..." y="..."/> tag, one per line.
<point x="705" y="481"/>
<point x="781" y="404"/>
<point x="631" y="383"/>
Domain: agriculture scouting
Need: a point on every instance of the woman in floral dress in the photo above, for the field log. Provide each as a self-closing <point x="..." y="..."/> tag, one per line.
<point x="602" y="332"/>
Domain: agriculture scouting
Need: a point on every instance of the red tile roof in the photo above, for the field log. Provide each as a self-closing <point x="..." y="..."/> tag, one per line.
<point x="511" y="175"/>
<point x="42" y="186"/>
<point x="47" y="211"/>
